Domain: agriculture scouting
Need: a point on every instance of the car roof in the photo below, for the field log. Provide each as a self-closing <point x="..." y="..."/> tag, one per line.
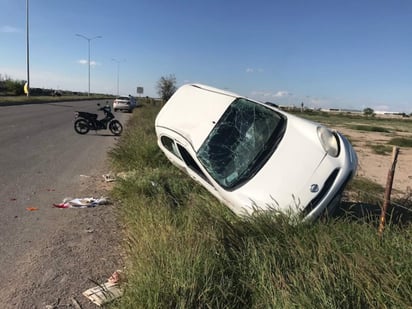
<point x="194" y="110"/>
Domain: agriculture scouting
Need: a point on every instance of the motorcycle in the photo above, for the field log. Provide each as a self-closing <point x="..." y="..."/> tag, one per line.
<point x="87" y="121"/>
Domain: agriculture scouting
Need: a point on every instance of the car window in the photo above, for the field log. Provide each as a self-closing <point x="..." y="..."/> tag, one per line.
<point x="241" y="142"/>
<point x="170" y="145"/>
<point x="190" y="162"/>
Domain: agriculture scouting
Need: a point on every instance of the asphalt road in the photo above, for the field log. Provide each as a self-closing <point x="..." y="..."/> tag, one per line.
<point x="42" y="161"/>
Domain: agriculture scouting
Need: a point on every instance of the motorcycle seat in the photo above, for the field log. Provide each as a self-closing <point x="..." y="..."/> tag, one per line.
<point x="87" y="115"/>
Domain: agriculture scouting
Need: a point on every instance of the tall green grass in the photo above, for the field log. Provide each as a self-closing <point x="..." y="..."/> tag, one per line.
<point x="186" y="250"/>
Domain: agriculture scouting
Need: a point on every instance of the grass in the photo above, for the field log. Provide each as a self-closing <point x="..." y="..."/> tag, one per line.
<point x="401" y="141"/>
<point x="380" y="149"/>
<point x="185" y="250"/>
<point x="369" y="128"/>
<point x="366" y="185"/>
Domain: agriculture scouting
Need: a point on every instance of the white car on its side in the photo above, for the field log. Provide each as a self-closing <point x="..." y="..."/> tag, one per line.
<point x="253" y="156"/>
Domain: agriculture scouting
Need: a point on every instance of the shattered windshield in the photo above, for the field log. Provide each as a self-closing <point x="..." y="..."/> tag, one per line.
<point x="241" y="142"/>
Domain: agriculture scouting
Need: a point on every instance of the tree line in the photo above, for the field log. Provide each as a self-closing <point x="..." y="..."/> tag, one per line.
<point x="9" y="86"/>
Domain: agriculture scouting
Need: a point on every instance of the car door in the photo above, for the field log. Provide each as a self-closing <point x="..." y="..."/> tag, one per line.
<point x="181" y="157"/>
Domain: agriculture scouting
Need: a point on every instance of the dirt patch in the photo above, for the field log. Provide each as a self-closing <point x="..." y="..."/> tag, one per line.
<point x="375" y="166"/>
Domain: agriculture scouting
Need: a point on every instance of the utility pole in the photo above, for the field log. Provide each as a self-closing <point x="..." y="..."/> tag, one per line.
<point x="27" y="48"/>
<point x="118" y="69"/>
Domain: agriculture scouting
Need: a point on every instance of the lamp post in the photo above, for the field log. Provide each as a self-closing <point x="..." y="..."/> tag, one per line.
<point x="27" y="48"/>
<point x="88" y="41"/>
<point x="118" y="67"/>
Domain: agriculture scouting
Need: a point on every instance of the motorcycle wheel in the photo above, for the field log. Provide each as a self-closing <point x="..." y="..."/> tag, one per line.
<point x="81" y="126"/>
<point x="115" y="127"/>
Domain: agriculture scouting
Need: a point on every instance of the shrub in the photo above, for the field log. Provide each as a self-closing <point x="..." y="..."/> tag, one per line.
<point x="401" y="142"/>
<point x="14" y="87"/>
<point x="370" y="128"/>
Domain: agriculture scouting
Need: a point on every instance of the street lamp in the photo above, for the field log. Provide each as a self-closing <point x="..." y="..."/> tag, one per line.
<point x="118" y="66"/>
<point x="88" y="41"/>
<point x="27" y="48"/>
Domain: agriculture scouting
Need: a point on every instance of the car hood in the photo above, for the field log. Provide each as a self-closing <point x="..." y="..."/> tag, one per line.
<point x="284" y="181"/>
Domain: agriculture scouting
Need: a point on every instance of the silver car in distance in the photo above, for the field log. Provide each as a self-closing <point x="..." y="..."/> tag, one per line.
<point x="253" y="156"/>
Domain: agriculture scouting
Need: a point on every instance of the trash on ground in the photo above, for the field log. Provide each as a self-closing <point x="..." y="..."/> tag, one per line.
<point x="106" y="292"/>
<point x="82" y="202"/>
<point x="110" y="177"/>
<point x="116" y="277"/>
<point x="32" y="208"/>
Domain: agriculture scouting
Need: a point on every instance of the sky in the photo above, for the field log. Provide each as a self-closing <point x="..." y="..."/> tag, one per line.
<point x="348" y="54"/>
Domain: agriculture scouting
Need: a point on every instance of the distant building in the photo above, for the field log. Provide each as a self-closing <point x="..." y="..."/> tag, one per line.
<point x="390" y="114"/>
<point x="341" y="110"/>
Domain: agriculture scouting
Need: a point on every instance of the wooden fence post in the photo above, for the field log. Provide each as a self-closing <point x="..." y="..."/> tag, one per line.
<point x="388" y="190"/>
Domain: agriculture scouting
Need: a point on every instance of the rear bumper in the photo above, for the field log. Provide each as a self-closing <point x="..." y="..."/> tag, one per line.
<point x="122" y="107"/>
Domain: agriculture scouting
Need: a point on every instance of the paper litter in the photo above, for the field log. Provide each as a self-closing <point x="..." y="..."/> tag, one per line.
<point x="107" y="291"/>
<point x="82" y="202"/>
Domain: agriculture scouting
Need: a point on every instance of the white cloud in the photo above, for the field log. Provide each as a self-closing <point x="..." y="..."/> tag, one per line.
<point x="252" y="70"/>
<point x="268" y="94"/>
<point x="9" y="29"/>
<point x="281" y="94"/>
<point x="84" y="61"/>
<point x="261" y="94"/>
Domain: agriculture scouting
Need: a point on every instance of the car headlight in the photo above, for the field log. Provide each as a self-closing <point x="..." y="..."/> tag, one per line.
<point x="329" y="141"/>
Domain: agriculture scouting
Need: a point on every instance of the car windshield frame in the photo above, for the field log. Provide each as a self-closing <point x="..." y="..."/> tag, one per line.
<point x="241" y="142"/>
